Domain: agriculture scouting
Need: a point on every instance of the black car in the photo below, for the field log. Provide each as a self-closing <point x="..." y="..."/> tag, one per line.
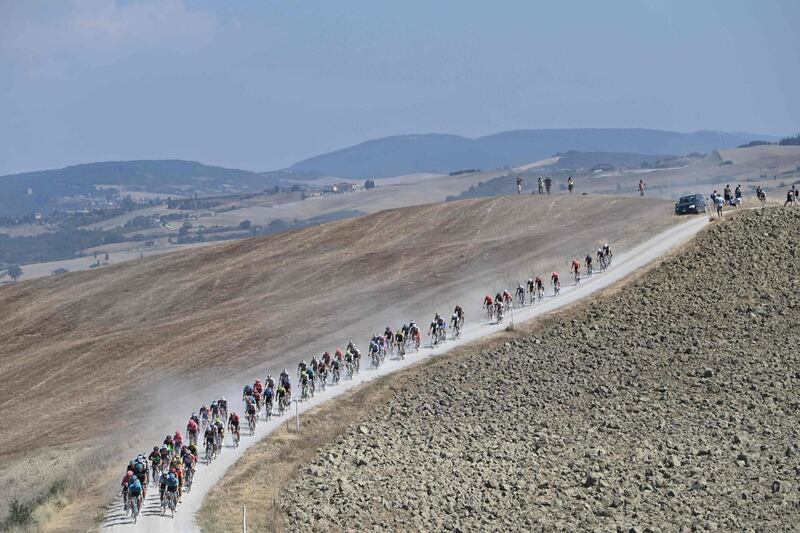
<point x="695" y="204"/>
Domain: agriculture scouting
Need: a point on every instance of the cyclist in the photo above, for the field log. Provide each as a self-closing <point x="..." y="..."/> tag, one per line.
<point x="223" y="406"/>
<point x="268" y="395"/>
<point x="539" y="285"/>
<point x="520" y="293"/>
<point x="155" y="460"/>
<point x="389" y="336"/>
<point x="135" y="488"/>
<point x="507" y="298"/>
<point x="233" y="425"/>
<point x="301" y="367"/>
<point x="531" y="287"/>
<point x="140" y="468"/>
<point x="460" y="312"/>
<point x="173" y="483"/>
<point x="311" y="373"/>
<point x="189" y="462"/>
<point x="177" y="440"/>
<point x="400" y="341"/>
<point x="498" y="309"/>
<point x="488" y="304"/>
<point x="326" y="358"/>
<point x="556" y="283"/>
<point x="280" y="395"/>
<point x="588" y="261"/>
<point x="304" y="382"/>
<point x="204" y="416"/>
<point x="270" y="382"/>
<point x="434" y="325"/>
<point x="576" y="270"/>
<point x="286" y="383"/>
<point x="414" y="332"/>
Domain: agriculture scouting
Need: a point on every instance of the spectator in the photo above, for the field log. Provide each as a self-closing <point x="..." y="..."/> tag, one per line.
<point x="727" y="194"/>
<point x="642" y="185"/>
<point x="541" y="185"/>
<point x="570" y="184"/>
<point x="547" y="184"/>
<point x="738" y="194"/>
<point x="791" y="197"/>
<point x="720" y="202"/>
<point x="519" y="184"/>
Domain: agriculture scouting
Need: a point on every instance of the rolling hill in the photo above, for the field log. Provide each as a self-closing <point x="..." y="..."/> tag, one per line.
<point x="407" y="154"/>
<point x="138" y="345"/>
<point x="46" y="190"/>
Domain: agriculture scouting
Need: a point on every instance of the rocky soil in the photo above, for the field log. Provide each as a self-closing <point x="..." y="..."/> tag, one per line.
<point x="671" y="405"/>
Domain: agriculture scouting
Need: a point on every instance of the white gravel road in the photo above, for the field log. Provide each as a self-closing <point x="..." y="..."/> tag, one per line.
<point x="625" y="263"/>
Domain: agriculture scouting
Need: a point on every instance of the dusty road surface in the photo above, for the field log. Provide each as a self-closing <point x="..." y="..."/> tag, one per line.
<point x="106" y="363"/>
<point x="672" y="405"/>
<point x="626" y="263"/>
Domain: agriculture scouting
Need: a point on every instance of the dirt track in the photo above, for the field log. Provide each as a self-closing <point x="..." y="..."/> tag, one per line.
<point x="113" y="342"/>
<point x="672" y="405"/>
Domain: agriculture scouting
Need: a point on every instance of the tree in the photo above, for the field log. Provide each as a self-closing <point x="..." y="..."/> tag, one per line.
<point x="15" y="272"/>
<point x="245" y="224"/>
<point x="369" y="184"/>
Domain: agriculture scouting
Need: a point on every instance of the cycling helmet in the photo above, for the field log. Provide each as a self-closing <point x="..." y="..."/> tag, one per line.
<point x="155" y="448"/>
<point x="129" y="473"/>
<point x="530" y="280"/>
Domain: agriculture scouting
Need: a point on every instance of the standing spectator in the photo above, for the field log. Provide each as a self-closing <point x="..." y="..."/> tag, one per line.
<point x="791" y="197"/>
<point x="720" y="202"/>
<point x="547" y="184"/>
<point x="642" y="185"/>
<point x="541" y="185"/>
<point x="519" y="184"/>
<point x="727" y="194"/>
<point x="570" y="184"/>
<point x="761" y="195"/>
<point x="738" y="194"/>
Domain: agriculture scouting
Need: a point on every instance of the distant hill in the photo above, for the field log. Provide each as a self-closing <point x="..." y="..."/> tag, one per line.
<point x="408" y="154"/>
<point x="73" y="186"/>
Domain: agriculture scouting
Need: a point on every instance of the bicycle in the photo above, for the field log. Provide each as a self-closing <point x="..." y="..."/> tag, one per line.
<point x="171" y="502"/>
<point x="209" y="452"/>
<point x="155" y="468"/>
<point x="235" y="438"/>
<point x="251" y="422"/>
<point x="267" y="409"/>
<point x="556" y="288"/>
<point x="456" y="331"/>
<point x="189" y="476"/>
<point x="125" y="500"/>
<point x="135" y="506"/>
<point x="577" y="277"/>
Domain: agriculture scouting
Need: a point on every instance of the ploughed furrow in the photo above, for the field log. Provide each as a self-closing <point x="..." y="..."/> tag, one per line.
<point x="672" y="404"/>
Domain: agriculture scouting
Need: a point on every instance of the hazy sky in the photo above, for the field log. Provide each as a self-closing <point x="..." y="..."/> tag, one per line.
<point x="261" y="84"/>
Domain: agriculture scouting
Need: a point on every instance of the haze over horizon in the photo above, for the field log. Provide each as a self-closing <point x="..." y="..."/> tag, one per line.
<point x="262" y="85"/>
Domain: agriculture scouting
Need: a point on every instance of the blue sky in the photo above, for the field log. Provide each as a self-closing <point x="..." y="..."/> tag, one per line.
<point x="262" y="84"/>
